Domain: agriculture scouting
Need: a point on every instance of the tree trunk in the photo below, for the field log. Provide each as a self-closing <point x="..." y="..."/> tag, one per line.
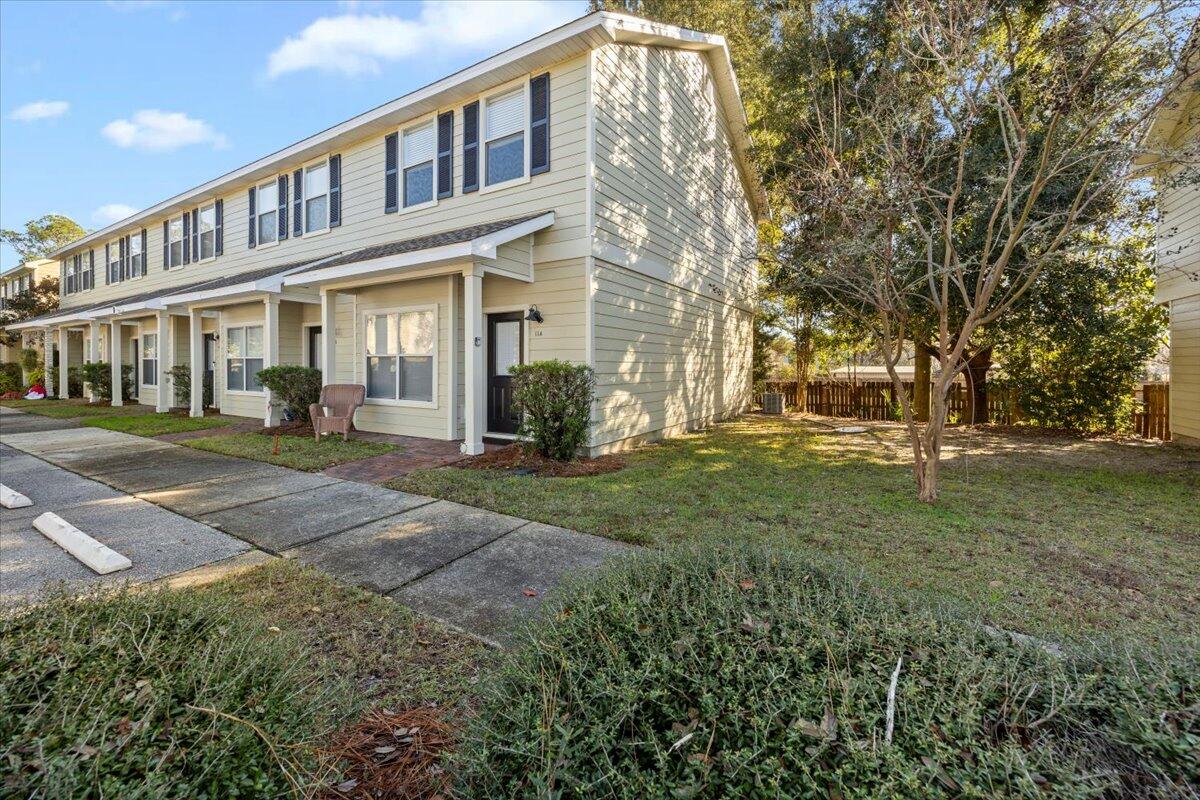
<point x="921" y="377"/>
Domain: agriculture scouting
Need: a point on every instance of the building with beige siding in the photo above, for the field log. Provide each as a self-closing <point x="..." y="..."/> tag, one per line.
<point x="586" y="195"/>
<point x="14" y="282"/>
<point x="1174" y="148"/>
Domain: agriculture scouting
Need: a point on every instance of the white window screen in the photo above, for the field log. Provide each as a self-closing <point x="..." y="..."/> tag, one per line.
<point x="419" y="145"/>
<point x="505" y="115"/>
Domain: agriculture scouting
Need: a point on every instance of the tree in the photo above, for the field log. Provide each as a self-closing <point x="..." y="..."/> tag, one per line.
<point x="40" y="298"/>
<point x="964" y="159"/>
<point x="42" y="236"/>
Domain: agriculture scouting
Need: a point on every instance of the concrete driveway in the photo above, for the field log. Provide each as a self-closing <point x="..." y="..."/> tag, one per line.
<point x="471" y="568"/>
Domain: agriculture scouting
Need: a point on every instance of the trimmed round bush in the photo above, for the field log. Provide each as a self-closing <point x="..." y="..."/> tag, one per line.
<point x="156" y="694"/>
<point x="743" y="672"/>
<point x="554" y="399"/>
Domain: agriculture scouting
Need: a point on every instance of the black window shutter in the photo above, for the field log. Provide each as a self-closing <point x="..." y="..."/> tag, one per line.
<point x="298" y="203"/>
<point x="445" y="155"/>
<point x="196" y="234"/>
<point x="108" y="271"/>
<point x="282" y="217"/>
<point x="145" y="250"/>
<point x="391" y="177"/>
<point x="539" y="124"/>
<point x="166" y="244"/>
<point x="470" y="147"/>
<point x="91" y="281"/>
<point x="253" y="220"/>
<point x="187" y="237"/>
<point x="335" y="191"/>
<point x="124" y="254"/>
<point x="219" y="228"/>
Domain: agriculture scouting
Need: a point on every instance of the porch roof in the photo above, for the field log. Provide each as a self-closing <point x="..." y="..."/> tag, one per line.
<point x="472" y="241"/>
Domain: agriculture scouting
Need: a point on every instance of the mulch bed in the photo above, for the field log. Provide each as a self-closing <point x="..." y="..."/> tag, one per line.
<point x="302" y="429"/>
<point x="392" y="754"/>
<point x="514" y="457"/>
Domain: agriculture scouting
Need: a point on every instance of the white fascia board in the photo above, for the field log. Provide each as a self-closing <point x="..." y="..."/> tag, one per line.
<point x="446" y="252"/>
<point x="485" y="246"/>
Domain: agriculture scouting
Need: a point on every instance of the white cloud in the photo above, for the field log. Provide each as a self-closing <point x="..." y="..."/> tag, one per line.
<point x="358" y="44"/>
<point x="41" y="109"/>
<point x="151" y="129"/>
<point x="112" y="212"/>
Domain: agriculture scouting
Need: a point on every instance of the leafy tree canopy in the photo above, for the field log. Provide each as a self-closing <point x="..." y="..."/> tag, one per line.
<point x="42" y="236"/>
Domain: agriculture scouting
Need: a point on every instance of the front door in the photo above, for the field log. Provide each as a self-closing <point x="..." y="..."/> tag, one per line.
<point x="315" y="352"/>
<point x="210" y="368"/>
<point x="505" y="348"/>
<point x="135" y="353"/>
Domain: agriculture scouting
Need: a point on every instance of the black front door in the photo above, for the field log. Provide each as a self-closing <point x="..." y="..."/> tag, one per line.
<point x="210" y="368"/>
<point x="315" y="353"/>
<point x="505" y="347"/>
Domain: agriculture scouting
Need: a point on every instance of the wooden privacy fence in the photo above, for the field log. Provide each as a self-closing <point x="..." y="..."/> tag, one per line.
<point x="876" y="400"/>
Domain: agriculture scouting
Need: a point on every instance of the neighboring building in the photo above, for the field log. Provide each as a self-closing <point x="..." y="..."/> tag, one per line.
<point x="586" y="195"/>
<point x="1174" y="144"/>
<point x="17" y="281"/>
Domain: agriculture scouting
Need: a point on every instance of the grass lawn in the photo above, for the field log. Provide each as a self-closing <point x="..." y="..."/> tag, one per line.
<point x="1044" y="534"/>
<point x="156" y="424"/>
<point x="75" y="408"/>
<point x="214" y="690"/>
<point x="297" y="452"/>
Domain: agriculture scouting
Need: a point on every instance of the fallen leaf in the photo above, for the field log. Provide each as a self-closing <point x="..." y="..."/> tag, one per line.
<point x="746" y="585"/>
<point x="829" y="724"/>
<point x="347" y="786"/>
<point x="810" y="729"/>
<point x="529" y="592"/>
<point x="383" y="751"/>
<point x="274" y="629"/>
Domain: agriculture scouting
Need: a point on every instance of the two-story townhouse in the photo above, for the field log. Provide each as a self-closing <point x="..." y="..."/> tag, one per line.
<point x="586" y="195"/>
<point x="14" y="282"/>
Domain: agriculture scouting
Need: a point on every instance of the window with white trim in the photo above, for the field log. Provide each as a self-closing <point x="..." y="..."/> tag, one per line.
<point x="267" y="206"/>
<point x="504" y="137"/>
<point x="136" y="256"/>
<point x="208" y="232"/>
<point x="418" y="146"/>
<point x="399" y="355"/>
<point x="114" y="261"/>
<point x="149" y="359"/>
<point x="316" y="197"/>
<point x="243" y="358"/>
<point x="175" y="242"/>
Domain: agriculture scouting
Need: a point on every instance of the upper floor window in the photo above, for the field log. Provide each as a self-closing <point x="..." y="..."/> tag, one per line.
<point x="72" y="274"/>
<point x="417" y="149"/>
<point x="114" y="250"/>
<point x="504" y="137"/>
<point x="316" y="197"/>
<point x="267" y="204"/>
<point x="136" y="256"/>
<point x="207" y="228"/>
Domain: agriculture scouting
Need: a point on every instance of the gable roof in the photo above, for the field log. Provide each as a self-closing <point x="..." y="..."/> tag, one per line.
<point x="570" y="40"/>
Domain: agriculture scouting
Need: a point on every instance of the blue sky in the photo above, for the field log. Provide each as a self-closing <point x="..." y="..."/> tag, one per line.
<point x="109" y="107"/>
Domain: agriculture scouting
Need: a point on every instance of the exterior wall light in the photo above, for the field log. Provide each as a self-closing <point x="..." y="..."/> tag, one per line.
<point x="534" y="315"/>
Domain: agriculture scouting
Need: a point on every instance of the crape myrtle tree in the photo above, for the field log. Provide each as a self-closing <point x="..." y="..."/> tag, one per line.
<point x="951" y="161"/>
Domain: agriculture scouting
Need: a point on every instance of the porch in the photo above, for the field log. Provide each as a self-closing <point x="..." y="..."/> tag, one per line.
<point x="429" y="325"/>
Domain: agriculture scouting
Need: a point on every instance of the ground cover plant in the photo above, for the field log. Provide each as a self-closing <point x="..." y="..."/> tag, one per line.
<point x="743" y="671"/>
<point x="1038" y="533"/>
<point x="222" y="691"/>
<point x="295" y="452"/>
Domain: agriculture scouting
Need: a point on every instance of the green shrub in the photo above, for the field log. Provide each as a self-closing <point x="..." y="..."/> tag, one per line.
<point x="296" y="387"/>
<point x="181" y="379"/>
<point x="75" y="381"/>
<point x="554" y="399"/>
<point x="124" y="695"/>
<point x="129" y="391"/>
<point x="31" y="359"/>
<point x="10" y="377"/>
<point x="99" y="375"/>
<point x="739" y="671"/>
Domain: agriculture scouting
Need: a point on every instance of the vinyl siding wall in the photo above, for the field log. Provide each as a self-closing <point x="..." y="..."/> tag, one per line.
<point x="673" y="280"/>
<point x="1179" y="280"/>
<point x="364" y="222"/>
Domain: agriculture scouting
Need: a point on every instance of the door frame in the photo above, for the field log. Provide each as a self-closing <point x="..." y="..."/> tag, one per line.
<point x="135" y="343"/>
<point x="487" y="354"/>
<point x="306" y="342"/>
<point x="205" y="339"/>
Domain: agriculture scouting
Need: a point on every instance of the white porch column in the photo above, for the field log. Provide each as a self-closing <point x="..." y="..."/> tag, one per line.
<point x="271" y="414"/>
<point x="48" y="376"/>
<point x="328" y="337"/>
<point x="93" y="353"/>
<point x="473" y="366"/>
<point x="114" y="344"/>
<point x="64" y="389"/>
<point x="196" y="346"/>
<point x="163" y="343"/>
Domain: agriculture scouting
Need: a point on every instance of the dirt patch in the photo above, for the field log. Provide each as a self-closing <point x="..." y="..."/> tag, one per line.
<point x="515" y="458"/>
<point x="392" y="754"/>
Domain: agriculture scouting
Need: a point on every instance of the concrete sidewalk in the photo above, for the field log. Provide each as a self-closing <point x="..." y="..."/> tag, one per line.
<point x="471" y="568"/>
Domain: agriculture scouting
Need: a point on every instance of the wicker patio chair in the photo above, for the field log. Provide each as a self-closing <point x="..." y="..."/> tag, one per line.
<point x="335" y="412"/>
